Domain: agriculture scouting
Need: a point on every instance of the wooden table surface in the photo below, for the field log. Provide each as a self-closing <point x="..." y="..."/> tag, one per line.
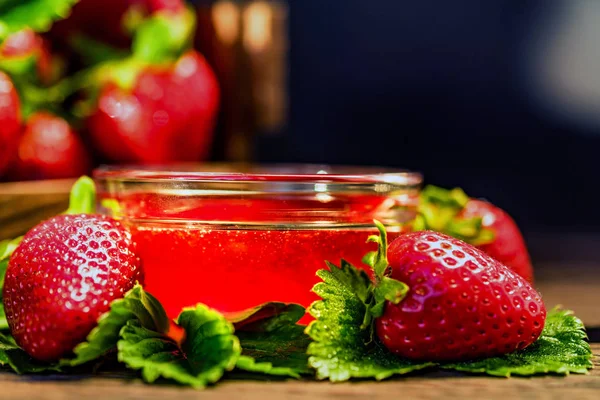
<point x="432" y="386"/>
<point x="573" y="284"/>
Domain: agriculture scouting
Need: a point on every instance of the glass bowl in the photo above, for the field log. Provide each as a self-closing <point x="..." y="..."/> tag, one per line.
<point x="235" y="236"/>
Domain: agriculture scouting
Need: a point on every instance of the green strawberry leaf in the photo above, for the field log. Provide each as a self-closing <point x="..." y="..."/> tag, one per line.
<point x="455" y="198"/>
<point x="265" y="312"/>
<point x="38" y="15"/>
<point x="341" y="349"/>
<point x="387" y="289"/>
<point x="3" y="321"/>
<point x="82" y="199"/>
<point x="7" y="247"/>
<point x="249" y="364"/>
<point x="357" y="281"/>
<point x="439" y="211"/>
<point x="137" y="305"/>
<point x="209" y="349"/>
<point x="561" y="349"/>
<point x="14" y="357"/>
<point x="373" y="295"/>
<point x="164" y="36"/>
<point x="111" y="207"/>
<point x="272" y="341"/>
<point x="391" y="290"/>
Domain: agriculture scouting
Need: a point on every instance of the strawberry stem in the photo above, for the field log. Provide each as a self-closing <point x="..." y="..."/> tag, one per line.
<point x="83" y="197"/>
<point x="379" y="262"/>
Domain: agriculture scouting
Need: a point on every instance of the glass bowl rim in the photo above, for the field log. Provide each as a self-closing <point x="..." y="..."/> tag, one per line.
<point x="242" y="172"/>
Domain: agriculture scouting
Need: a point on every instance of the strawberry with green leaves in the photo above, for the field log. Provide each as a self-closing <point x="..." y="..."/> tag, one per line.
<point x="45" y="146"/>
<point x="436" y="302"/>
<point x="167" y="115"/>
<point x="158" y="104"/>
<point x="63" y="275"/>
<point x="36" y="143"/>
<point x="476" y="222"/>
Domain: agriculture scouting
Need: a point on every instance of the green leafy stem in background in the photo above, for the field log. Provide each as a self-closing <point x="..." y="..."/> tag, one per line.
<point x="38" y="15"/>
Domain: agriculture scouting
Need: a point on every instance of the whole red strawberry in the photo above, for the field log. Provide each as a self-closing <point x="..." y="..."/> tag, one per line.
<point x="10" y="121"/>
<point x="62" y="277"/>
<point x="477" y="222"/>
<point x="167" y="116"/>
<point x="49" y="149"/>
<point x="462" y="304"/>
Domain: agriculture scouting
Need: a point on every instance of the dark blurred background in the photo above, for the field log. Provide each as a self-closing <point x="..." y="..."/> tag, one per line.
<point x="501" y="98"/>
<point x="482" y="95"/>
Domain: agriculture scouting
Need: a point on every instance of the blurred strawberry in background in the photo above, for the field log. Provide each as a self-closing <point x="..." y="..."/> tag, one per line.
<point x="167" y="116"/>
<point x="49" y="149"/>
<point x="165" y="109"/>
<point x="124" y="85"/>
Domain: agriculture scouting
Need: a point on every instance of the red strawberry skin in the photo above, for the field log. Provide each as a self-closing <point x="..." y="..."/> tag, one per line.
<point x="168" y="116"/>
<point x="49" y="149"/>
<point x="462" y="304"/>
<point x="62" y="277"/>
<point x="10" y="121"/>
<point x="508" y="246"/>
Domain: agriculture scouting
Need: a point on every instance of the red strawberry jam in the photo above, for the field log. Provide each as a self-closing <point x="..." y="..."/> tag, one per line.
<point x="237" y="249"/>
<point x="232" y="270"/>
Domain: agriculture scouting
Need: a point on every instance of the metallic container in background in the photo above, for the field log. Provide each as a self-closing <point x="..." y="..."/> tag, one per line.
<point x="247" y="44"/>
